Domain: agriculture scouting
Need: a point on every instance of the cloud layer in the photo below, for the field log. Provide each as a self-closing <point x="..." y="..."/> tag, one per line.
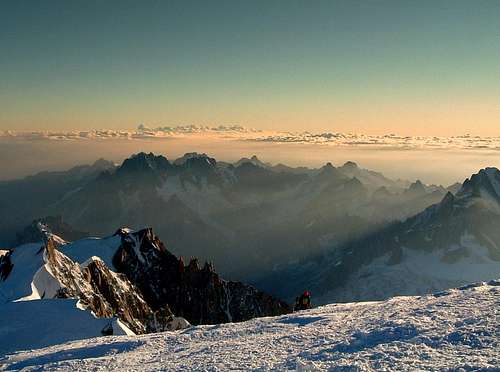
<point x="240" y="133"/>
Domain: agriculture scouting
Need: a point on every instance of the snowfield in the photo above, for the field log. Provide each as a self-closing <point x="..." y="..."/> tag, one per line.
<point x="40" y="323"/>
<point x="452" y="330"/>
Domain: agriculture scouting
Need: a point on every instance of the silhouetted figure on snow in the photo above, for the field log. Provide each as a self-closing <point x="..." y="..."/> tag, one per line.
<point x="303" y="302"/>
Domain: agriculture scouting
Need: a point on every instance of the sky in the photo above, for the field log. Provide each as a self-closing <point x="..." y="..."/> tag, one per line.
<point x="407" y="67"/>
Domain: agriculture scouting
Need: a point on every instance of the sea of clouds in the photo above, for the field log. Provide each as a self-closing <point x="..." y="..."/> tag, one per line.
<point x="240" y="133"/>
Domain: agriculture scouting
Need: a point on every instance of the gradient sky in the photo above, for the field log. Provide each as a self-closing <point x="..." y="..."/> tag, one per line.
<point x="408" y="67"/>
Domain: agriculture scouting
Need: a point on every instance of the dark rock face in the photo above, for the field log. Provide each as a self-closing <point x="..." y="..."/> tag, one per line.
<point x="106" y="293"/>
<point x="193" y="292"/>
<point x="143" y="161"/>
<point x="5" y="265"/>
<point x="482" y="183"/>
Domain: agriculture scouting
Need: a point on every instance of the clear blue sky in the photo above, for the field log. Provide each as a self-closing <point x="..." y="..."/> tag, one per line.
<point x="416" y="67"/>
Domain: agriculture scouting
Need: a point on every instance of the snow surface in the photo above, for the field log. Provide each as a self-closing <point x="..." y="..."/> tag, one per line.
<point x="34" y="324"/>
<point x="454" y="329"/>
<point x="82" y="250"/>
<point x="28" y="260"/>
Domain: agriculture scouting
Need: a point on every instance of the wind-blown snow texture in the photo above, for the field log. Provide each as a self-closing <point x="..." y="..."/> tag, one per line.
<point x="447" y="331"/>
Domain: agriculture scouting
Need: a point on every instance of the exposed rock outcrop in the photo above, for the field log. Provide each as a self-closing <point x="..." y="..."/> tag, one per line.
<point x="106" y="293"/>
<point x="193" y="292"/>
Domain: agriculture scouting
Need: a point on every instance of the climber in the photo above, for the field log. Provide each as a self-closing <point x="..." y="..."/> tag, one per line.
<point x="303" y="302"/>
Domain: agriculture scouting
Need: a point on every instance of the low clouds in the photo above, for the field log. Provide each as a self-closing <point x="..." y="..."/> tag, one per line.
<point x="142" y="132"/>
<point x="240" y="133"/>
<point x="386" y="141"/>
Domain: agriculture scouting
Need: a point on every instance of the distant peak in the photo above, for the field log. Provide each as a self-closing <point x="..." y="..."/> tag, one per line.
<point x="143" y="161"/>
<point x="417" y="185"/>
<point x="448" y="198"/>
<point x="329" y="172"/>
<point x="487" y="181"/>
<point x="491" y="172"/>
<point x="196" y="161"/>
<point x="103" y="164"/>
<point x="416" y="188"/>
<point x="190" y="155"/>
<point x="454" y="188"/>
<point x="328" y="168"/>
<point x="253" y="160"/>
<point x="350" y="165"/>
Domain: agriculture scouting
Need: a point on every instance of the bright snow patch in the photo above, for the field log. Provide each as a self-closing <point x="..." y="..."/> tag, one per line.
<point x="29" y="261"/>
<point x="450" y="330"/>
<point x="82" y="250"/>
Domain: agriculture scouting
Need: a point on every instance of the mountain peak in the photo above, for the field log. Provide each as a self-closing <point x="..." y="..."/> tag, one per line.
<point x="253" y="160"/>
<point x="328" y="173"/>
<point x="143" y="161"/>
<point x="448" y="199"/>
<point x="327" y="169"/>
<point x="189" y="156"/>
<point x="485" y="182"/>
<point x="350" y="165"/>
<point x="196" y="162"/>
<point x="416" y="187"/>
<point x="328" y="166"/>
<point x="103" y="164"/>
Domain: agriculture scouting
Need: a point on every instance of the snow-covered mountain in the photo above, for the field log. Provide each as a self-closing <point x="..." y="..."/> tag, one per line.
<point x="38" y="272"/>
<point x="130" y="277"/>
<point x="451" y="243"/>
<point x="455" y="330"/>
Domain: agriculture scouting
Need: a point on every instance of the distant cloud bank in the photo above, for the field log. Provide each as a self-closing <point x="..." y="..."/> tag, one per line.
<point x="142" y="132"/>
<point x="386" y="141"/>
<point x="240" y="133"/>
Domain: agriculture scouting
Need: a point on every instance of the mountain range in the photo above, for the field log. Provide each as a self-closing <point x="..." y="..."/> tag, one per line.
<point x="246" y="217"/>
<point x="344" y="232"/>
<point x="450" y="243"/>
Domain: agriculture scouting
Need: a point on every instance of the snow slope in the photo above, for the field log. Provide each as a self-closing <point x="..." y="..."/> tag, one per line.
<point x="455" y="329"/>
<point x="40" y="323"/>
<point x="29" y="262"/>
<point x="83" y="249"/>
